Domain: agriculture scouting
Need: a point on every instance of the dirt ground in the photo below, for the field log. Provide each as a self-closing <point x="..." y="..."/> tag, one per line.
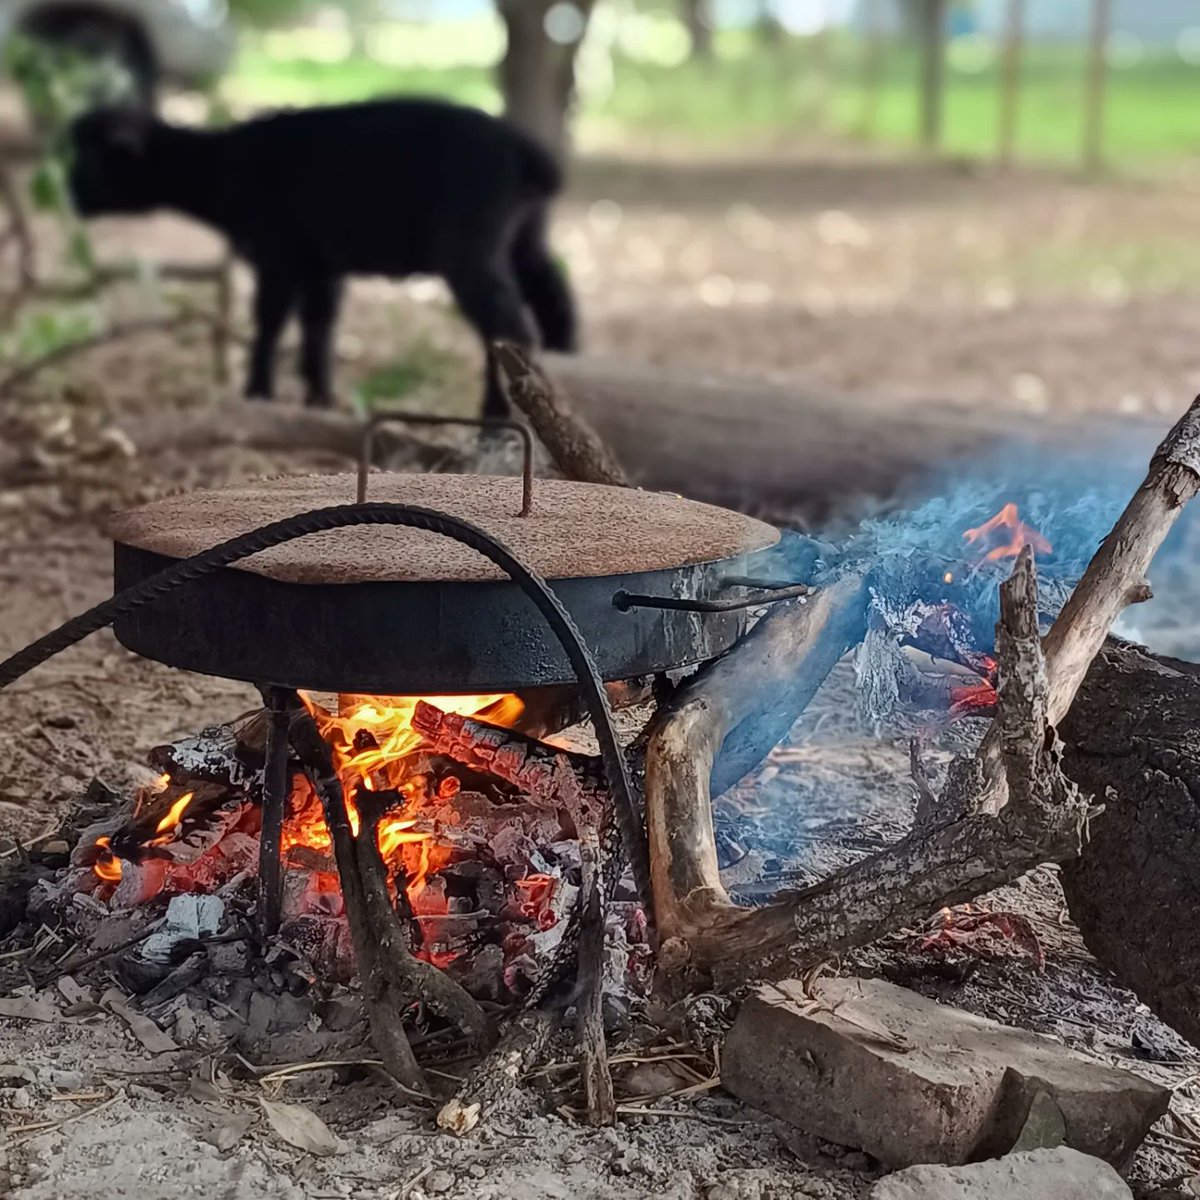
<point x="831" y="266"/>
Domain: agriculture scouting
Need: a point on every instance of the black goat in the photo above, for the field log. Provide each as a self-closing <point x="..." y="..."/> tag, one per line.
<point x="390" y="187"/>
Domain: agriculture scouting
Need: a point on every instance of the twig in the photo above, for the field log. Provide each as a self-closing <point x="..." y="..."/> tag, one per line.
<point x="405" y="1189"/>
<point x="46" y="1126"/>
<point x="65" y="968"/>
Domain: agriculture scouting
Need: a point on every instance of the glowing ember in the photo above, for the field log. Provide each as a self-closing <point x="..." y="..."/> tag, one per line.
<point x="1005" y="535"/>
<point x="980" y="696"/>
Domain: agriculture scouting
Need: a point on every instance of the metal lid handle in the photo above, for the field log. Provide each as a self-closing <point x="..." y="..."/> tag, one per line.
<point x="400" y="418"/>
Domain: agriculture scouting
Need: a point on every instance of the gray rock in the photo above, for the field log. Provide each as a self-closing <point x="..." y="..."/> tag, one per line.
<point x="438" y="1182"/>
<point x="1060" y="1174"/>
<point x="864" y="1063"/>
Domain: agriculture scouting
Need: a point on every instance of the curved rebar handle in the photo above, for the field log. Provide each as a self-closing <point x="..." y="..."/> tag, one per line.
<point x="400" y="418"/>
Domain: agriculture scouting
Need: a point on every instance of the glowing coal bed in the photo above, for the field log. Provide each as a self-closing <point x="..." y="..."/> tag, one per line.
<point x="483" y="874"/>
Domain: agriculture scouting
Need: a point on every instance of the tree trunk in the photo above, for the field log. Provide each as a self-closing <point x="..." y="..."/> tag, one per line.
<point x="933" y="61"/>
<point x="734" y="440"/>
<point x="697" y="19"/>
<point x="537" y="73"/>
<point x="1132" y="740"/>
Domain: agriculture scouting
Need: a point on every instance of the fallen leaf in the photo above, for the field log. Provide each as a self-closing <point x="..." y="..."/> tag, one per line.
<point x="142" y="1028"/>
<point x="207" y="1093"/>
<point x="228" y="1133"/>
<point x="27" y="1008"/>
<point x="300" y="1127"/>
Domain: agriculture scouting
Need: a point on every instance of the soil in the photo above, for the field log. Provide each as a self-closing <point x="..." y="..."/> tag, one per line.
<point x="832" y="266"/>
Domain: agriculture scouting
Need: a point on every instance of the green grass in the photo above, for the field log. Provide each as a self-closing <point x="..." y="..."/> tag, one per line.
<point x="423" y="365"/>
<point x="757" y="93"/>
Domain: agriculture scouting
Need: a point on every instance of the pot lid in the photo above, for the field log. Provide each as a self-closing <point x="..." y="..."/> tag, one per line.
<point x="574" y="531"/>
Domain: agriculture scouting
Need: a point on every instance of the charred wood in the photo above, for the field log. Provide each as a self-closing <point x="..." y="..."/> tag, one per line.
<point x="521" y="1046"/>
<point x="1131" y="738"/>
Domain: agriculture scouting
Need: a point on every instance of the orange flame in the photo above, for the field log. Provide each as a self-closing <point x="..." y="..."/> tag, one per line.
<point x="373" y="743"/>
<point x="108" y="865"/>
<point x="1007" y="524"/>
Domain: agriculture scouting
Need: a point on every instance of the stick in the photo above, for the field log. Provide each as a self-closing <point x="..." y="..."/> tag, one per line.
<point x="575" y="447"/>
<point x="276" y="780"/>
<point x="593" y="1056"/>
<point x="387" y="1033"/>
<point x="523" y="1043"/>
<point x="715" y="729"/>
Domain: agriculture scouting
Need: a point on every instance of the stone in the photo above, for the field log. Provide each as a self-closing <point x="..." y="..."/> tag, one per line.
<point x="1059" y="1174"/>
<point x="867" y="1064"/>
<point x="439" y="1182"/>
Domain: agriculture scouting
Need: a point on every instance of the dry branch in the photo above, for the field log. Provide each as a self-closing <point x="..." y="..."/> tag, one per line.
<point x="522" y="1044"/>
<point x="741" y="705"/>
<point x="575" y="447"/>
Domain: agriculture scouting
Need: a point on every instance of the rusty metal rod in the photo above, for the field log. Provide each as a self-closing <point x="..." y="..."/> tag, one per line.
<point x="401" y="418"/>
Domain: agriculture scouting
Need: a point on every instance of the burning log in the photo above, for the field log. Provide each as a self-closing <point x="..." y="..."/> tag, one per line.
<point x="391" y="977"/>
<point x="558" y="779"/>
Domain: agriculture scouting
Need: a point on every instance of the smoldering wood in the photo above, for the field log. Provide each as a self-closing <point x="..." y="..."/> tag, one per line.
<point x="969" y="847"/>
<point x="948" y="864"/>
<point x="225" y="754"/>
<point x="1132" y="739"/>
<point x="1114" y="579"/>
<point x="387" y="1032"/>
<point x="735" y="440"/>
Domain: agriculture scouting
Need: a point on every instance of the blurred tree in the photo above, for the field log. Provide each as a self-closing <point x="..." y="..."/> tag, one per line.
<point x="698" y="18"/>
<point x="537" y="73"/>
<point x="266" y="13"/>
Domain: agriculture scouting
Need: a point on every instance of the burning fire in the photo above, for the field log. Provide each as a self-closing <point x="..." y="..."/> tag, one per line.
<point x="1005" y="535"/>
<point x="375" y="749"/>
